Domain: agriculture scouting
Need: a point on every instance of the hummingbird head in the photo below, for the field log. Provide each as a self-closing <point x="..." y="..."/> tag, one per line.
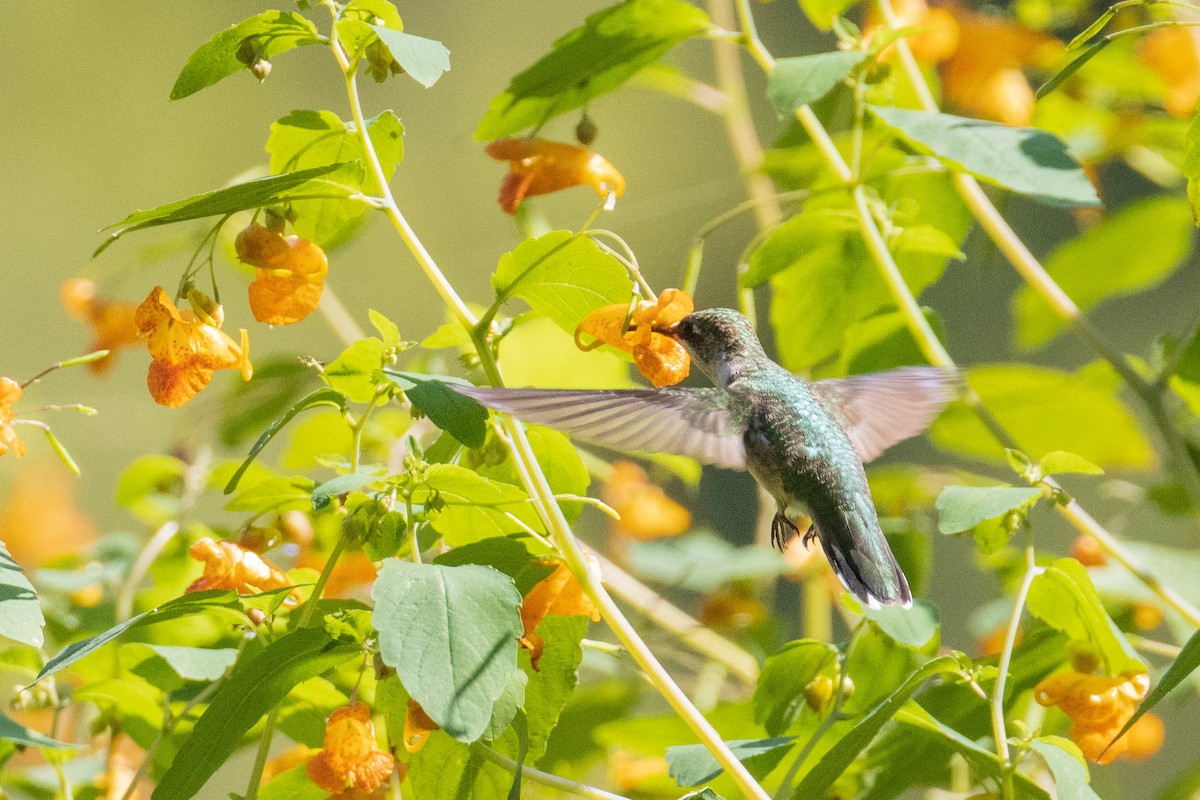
<point x="721" y="342"/>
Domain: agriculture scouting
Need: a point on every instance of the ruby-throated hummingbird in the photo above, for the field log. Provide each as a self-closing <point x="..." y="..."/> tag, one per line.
<point x="803" y="441"/>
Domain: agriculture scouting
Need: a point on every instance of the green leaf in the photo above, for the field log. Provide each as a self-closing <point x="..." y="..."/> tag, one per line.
<point x="961" y="508"/>
<point x="252" y="194"/>
<point x="274" y="32"/>
<point x="1191" y="165"/>
<point x="692" y="764"/>
<point x="319" y="398"/>
<point x="882" y="342"/>
<point x="475" y="507"/>
<point x="561" y="464"/>
<point x="818" y="780"/>
<point x="1059" y="462"/>
<point x="292" y="784"/>
<point x="458" y="415"/>
<point x="701" y="561"/>
<point x="1109" y="260"/>
<point x="250" y="406"/>
<point x="779" y="696"/>
<point x="389" y="332"/>
<point x="1070" y="69"/>
<point x="804" y="80"/>
<point x="1063" y="597"/>
<point x="13" y="731"/>
<point x="537" y="352"/>
<point x="554" y="681"/>
<point x="352" y="372"/>
<point x="20" y="615"/>
<point x="150" y="487"/>
<point x="274" y="496"/>
<point x="1024" y="160"/>
<point x="1184" y="665"/>
<point x="307" y="139"/>
<point x="610" y="47"/>
<point x="822" y="13"/>
<point x="180" y="606"/>
<point x="925" y="239"/>
<point x="815" y="229"/>
<point x="423" y="59"/>
<point x="1045" y="410"/>
<point x="915" y="626"/>
<point x="562" y="276"/>
<point x="192" y="663"/>
<point x="254" y="688"/>
<point x="445" y="768"/>
<point x="1066" y="763"/>
<point x="506" y="554"/>
<point x="342" y="484"/>
<point x="702" y="794"/>
<point x="450" y="633"/>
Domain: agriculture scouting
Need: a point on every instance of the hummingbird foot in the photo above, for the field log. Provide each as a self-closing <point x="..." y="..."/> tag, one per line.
<point x="809" y="536"/>
<point x="782" y="529"/>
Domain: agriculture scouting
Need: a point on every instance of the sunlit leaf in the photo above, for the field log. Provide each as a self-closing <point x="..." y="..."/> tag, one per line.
<point x="340" y="485"/>
<point x="552" y="684"/>
<point x="13" y="731"/>
<point x="423" y="59"/>
<point x="1109" y="260"/>
<point x="475" y="507"/>
<point x="192" y="663"/>
<point x="1067" y="765"/>
<point x="1060" y="462"/>
<point x="20" y="615"/>
<point x="1025" y="160"/>
<point x="702" y="561"/>
<point x="458" y="415"/>
<point x="274" y="496"/>
<point x="693" y="764"/>
<point x="882" y="342"/>
<point x="961" y="508"/>
<point x="610" y="47"/>
<point x="352" y="372"/>
<point x="539" y="353"/>
<point x="822" y="13"/>
<point x="1191" y="165"/>
<point x="915" y="626"/>
<point x="803" y="80"/>
<point x="780" y="695"/>
<point x="561" y="464"/>
<point x="451" y="634"/>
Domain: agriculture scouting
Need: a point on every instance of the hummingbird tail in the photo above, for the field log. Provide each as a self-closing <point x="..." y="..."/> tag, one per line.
<point x="859" y="554"/>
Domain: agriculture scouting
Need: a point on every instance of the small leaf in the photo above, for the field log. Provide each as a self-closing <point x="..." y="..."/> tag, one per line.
<point x="804" y="80"/>
<point x="915" y="626"/>
<point x="20" y="615"/>
<point x="451" y="634"/>
<point x="1068" y="767"/>
<point x="1063" y="597"/>
<point x="321" y="397"/>
<point x="692" y="764"/>
<point x="1059" y="462"/>
<point x="256" y="687"/>
<point x="423" y="59"/>
<point x="275" y="32"/>
<point x="274" y="496"/>
<point x="252" y="194"/>
<point x="1070" y="69"/>
<point x="780" y="695"/>
<point x="1097" y="25"/>
<point x="190" y="663"/>
<point x="458" y="415"/>
<point x="1025" y="160"/>
<point x="702" y="794"/>
<point x="961" y="508"/>
<point x="610" y="47"/>
<point x="353" y="372"/>
<point x="13" y="731"/>
<point x="389" y="332"/>
<point x="342" y="484"/>
<point x="475" y="507"/>
<point x="1184" y="665"/>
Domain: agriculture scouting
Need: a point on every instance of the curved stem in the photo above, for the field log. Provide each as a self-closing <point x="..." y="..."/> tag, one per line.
<point x="999" y="733"/>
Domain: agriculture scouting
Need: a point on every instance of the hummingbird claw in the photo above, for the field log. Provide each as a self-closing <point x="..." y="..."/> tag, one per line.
<point x="782" y="529"/>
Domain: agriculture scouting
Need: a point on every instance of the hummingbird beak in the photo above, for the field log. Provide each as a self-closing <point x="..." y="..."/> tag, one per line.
<point x="670" y="330"/>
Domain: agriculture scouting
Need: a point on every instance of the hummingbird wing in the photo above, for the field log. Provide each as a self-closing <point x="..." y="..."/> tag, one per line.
<point x="884" y="408"/>
<point x="688" y="422"/>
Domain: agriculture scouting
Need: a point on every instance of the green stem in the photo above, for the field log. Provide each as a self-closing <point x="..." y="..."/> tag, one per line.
<point x="545" y="778"/>
<point x="999" y="732"/>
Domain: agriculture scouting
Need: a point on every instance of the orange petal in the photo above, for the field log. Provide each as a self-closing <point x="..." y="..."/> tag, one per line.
<point x="646" y="511"/>
<point x="351" y="758"/>
<point x="538" y="166"/>
<point x="604" y="325"/>
<point x="557" y="593"/>
<point x="665" y="362"/>
<point x="40" y="520"/>
<point x="260" y="246"/>
<point x="417" y="727"/>
<point x="172" y="385"/>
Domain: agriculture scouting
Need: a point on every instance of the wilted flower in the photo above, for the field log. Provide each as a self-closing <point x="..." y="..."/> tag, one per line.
<point x="1172" y="53"/>
<point x="657" y="355"/>
<point x="351" y="758"/>
<point x="646" y="511"/>
<point x="557" y="593"/>
<point x="10" y="392"/>
<point x="1098" y="707"/>
<point x="112" y="321"/>
<point x="186" y="351"/>
<point x="288" y="292"/>
<point x="538" y="166"/>
<point x="228" y="566"/>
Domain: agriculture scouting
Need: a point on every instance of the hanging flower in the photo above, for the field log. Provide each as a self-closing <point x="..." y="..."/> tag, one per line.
<point x="658" y="356"/>
<point x="288" y="292"/>
<point x="186" y="351"/>
<point x="351" y="759"/>
<point x="10" y="392"/>
<point x="538" y="166"/>
<point x="228" y="566"/>
<point x="1173" y="54"/>
<point x="1098" y="707"/>
<point x="557" y="593"/>
<point x="417" y="727"/>
<point x="112" y="321"/>
<point x="646" y="511"/>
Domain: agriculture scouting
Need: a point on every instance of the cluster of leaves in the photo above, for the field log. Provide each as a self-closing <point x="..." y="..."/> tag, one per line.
<point x="432" y="580"/>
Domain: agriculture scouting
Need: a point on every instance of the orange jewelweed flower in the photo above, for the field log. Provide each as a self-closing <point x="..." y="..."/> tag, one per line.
<point x="351" y="759"/>
<point x="10" y="392"/>
<point x="112" y="321"/>
<point x="646" y="511"/>
<point x="40" y="521"/>
<point x="657" y="355"/>
<point x="229" y="566"/>
<point x="557" y="593"/>
<point x="352" y="571"/>
<point x="1098" y="707"/>
<point x="186" y="351"/>
<point x="292" y="757"/>
<point x="1145" y="737"/>
<point x="288" y="292"/>
<point x="538" y="166"/>
<point x="417" y="727"/>
<point x="1173" y="53"/>
<point x="937" y="38"/>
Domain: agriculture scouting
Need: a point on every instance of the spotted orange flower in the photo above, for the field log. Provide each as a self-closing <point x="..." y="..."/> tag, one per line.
<point x="288" y="292"/>
<point x="10" y="392"/>
<point x="292" y="757"/>
<point x="1175" y="55"/>
<point x="417" y="727"/>
<point x="186" y="350"/>
<point x="657" y="355"/>
<point x="228" y="566"/>
<point x="112" y="321"/>
<point x="351" y="759"/>
<point x="557" y="593"/>
<point x="1098" y="707"/>
<point x="646" y="511"/>
<point x="538" y="166"/>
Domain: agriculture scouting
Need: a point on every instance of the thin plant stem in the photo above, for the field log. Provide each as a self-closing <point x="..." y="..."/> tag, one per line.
<point x="999" y="733"/>
<point x="531" y="473"/>
<point x="545" y="778"/>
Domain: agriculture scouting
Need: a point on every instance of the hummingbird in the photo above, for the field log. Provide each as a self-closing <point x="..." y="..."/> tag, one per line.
<point x="803" y="441"/>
